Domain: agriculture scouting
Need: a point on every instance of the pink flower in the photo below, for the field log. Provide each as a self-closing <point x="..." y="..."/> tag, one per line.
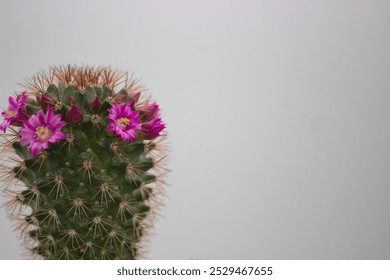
<point x="124" y="122"/>
<point x="15" y="113"/>
<point x="152" y="125"/>
<point x="151" y="130"/>
<point x="40" y="130"/>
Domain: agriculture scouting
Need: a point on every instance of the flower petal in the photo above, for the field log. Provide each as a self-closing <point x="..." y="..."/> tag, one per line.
<point x="35" y="148"/>
<point x="111" y="127"/>
<point x="12" y="102"/>
<point x="60" y="125"/>
<point x="54" y="121"/>
<point x="57" y="136"/>
<point x="34" y="122"/>
<point x="126" y="111"/>
<point x="41" y="118"/>
<point x="49" y="116"/>
<point x="4" y="125"/>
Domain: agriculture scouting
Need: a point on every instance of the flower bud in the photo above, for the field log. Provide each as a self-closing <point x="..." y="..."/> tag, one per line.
<point x="134" y="96"/>
<point x="120" y="98"/>
<point x="70" y="99"/>
<point x="150" y="111"/>
<point x="74" y="115"/>
<point x="46" y="102"/>
<point x="95" y="104"/>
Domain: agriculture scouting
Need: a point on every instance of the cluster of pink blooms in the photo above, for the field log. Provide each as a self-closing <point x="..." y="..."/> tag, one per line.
<point x="39" y="130"/>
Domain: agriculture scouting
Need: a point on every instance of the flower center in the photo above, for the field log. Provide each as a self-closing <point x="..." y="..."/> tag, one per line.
<point x="122" y="123"/>
<point x="10" y="114"/>
<point x="43" y="133"/>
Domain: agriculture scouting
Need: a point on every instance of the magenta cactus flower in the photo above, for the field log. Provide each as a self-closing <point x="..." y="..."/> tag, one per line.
<point x="124" y="121"/>
<point x="152" y="125"/>
<point x="15" y="112"/>
<point x="40" y="130"/>
<point x="151" y="130"/>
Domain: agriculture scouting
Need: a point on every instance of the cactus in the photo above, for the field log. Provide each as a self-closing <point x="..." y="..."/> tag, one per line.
<point x="82" y="163"/>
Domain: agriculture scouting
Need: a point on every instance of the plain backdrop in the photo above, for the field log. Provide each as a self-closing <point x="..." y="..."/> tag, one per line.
<point x="277" y="111"/>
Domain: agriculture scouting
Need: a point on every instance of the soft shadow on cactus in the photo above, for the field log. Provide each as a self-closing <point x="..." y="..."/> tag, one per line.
<point x="83" y="163"/>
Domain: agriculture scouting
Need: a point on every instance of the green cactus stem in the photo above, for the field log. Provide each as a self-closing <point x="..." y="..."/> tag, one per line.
<point x="83" y="164"/>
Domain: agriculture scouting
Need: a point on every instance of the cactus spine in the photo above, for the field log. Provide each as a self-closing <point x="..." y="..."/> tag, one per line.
<point x="82" y="163"/>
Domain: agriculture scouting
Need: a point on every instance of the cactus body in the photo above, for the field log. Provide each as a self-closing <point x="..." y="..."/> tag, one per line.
<point x="88" y="164"/>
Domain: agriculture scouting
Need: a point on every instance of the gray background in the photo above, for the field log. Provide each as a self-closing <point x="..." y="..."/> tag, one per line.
<point x="278" y="113"/>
